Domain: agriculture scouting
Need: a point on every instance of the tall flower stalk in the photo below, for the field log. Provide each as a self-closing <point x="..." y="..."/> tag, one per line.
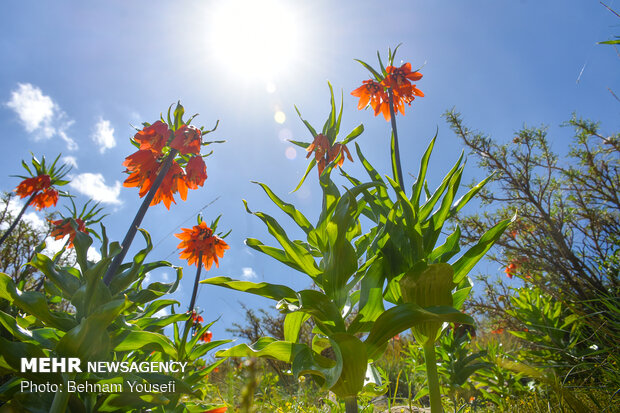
<point x="387" y="94"/>
<point x="168" y="162"/>
<point x="202" y="247"/>
<point x="40" y="187"/>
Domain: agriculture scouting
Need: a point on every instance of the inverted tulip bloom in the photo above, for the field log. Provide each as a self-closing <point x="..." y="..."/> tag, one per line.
<point x="142" y="167"/>
<point x="63" y="227"/>
<point x="153" y="137"/>
<point x="195" y="172"/>
<point x="206" y="337"/>
<point x="41" y="187"/>
<point x="371" y="92"/>
<point x="174" y="182"/>
<point x="324" y="152"/>
<point x="396" y="80"/>
<point x="187" y="140"/>
<point x="200" y="240"/>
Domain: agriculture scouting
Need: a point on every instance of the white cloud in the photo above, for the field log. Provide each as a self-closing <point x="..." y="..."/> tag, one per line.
<point x="52" y="246"/>
<point x="70" y="160"/>
<point x="104" y="135"/>
<point x="94" y="186"/>
<point x="40" y="115"/>
<point x="162" y="313"/>
<point x="248" y="273"/>
<point x="34" y="109"/>
<point x="15" y="206"/>
<point x="93" y="255"/>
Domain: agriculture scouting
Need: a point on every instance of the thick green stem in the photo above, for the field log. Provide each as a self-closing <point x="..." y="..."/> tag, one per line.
<point x="131" y="233"/>
<point x="396" y="154"/>
<point x="431" y="374"/>
<point x="14" y="224"/>
<point x="350" y="405"/>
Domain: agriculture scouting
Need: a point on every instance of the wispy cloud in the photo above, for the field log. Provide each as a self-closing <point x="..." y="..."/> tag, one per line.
<point x="40" y="115"/>
<point x="32" y="218"/>
<point x="248" y="273"/>
<point x="94" y="186"/>
<point x="104" y="135"/>
<point x="70" y="160"/>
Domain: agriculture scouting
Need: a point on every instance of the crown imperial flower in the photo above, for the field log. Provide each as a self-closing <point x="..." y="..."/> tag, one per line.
<point x="199" y="240"/>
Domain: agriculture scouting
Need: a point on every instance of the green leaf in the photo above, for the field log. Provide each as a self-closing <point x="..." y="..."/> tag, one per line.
<point x="295" y="252"/>
<point x="458" y="205"/>
<point x="428" y="206"/>
<point x="419" y="183"/>
<point x="448" y="249"/>
<point x="292" y="325"/>
<point x="464" y="264"/>
<point x="401" y="317"/>
<point x="272" y="291"/>
<point x="289" y="209"/>
<point x="133" y="340"/>
<point x="273" y="252"/>
<point x="354" y="365"/>
<point x="64" y="278"/>
<point x="310" y="128"/>
<point x="264" y="347"/>
<point x="35" y="304"/>
<point x="90" y="340"/>
<point x="325" y="313"/>
<point x="326" y="371"/>
<point x="303" y="178"/>
<point x="202" y="349"/>
<point x="178" y="115"/>
<point x="371" y="298"/>
<point x="376" y="74"/>
<point x="428" y="287"/>
<point x="354" y="134"/>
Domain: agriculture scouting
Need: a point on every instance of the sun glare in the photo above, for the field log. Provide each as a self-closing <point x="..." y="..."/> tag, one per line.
<point x="254" y="38"/>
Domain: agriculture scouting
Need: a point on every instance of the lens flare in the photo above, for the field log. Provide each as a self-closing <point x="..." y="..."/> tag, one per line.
<point x="254" y="38"/>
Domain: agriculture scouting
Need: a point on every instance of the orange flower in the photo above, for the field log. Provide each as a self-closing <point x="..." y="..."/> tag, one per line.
<point x="142" y="166"/>
<point x="510" y="269"/>
<point x="63" y="227"/>
<point x="324" y="152"/>
<point x="196" y="318"/>
<point x="320" y="146"/>
<point x="206" y="337"/>
<point x="399" y="79"/>
<point x="41" y="186"/>
<point x="173" y="182"/>
<point x="200" y="239"/>
<point x="370" y="92"/>
<point x="153" y="137"/>
<point x="45" y="199"/>
<point x="187" y="140"/>
<point x="498" y="331"/>
<point x="195" y="172"/>
<point x="29" y="186"/>
<point x="336" y="150"/>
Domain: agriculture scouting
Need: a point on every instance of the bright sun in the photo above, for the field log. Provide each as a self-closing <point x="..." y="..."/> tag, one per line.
<point x="254" y="38"/>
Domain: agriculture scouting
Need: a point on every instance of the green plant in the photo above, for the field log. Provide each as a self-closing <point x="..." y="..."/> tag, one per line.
<point x="396" y="259"/>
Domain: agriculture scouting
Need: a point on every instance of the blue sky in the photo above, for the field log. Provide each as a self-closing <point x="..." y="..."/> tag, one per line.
<point x="76" y="75"/>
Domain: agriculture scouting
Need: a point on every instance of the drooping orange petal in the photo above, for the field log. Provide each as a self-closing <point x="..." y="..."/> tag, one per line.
<point x="153" y="137"/>
<point x="195" y="172"/>
<point x="200" y="239"/>
<point x="29" y="186"/>
<point x="187" y="140"/>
